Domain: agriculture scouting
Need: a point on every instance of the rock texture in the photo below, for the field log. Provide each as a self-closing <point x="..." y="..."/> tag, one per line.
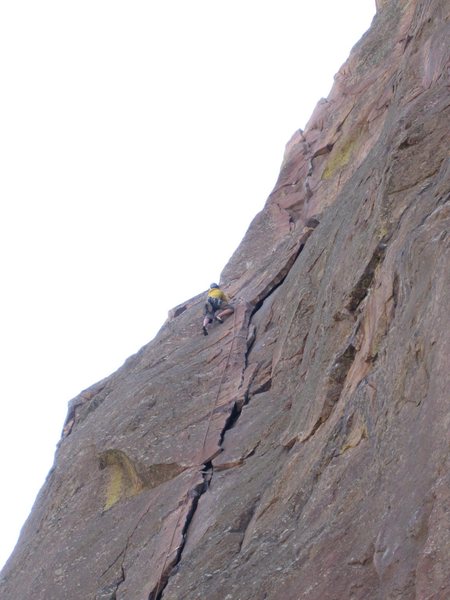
<point x="301" y="450"/>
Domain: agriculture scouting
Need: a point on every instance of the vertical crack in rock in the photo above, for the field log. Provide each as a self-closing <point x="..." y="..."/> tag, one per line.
<point x="169" y="567"/>
<point x="362" y="287"/>
<point x="208" y="470"/>
<point x="269" y="289"/>
<point x="109" y="591"/>
<point x="232" y="419"/>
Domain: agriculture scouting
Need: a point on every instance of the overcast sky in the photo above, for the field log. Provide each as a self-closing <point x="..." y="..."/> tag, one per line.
<point x="137" y="141"/>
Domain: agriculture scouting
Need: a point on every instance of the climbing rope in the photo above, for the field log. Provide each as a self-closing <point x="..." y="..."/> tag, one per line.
<point x="200" y="456"/>
<point x="219" y="389"/>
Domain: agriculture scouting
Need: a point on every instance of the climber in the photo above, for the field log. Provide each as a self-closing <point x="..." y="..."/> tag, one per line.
<point x="216" y="307"/>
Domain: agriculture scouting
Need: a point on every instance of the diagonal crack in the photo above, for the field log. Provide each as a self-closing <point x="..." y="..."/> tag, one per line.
<point x="235" y="413"/>
<point x="193" y="496"/>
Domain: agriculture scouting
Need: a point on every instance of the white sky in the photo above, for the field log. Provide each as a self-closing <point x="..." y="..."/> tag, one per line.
<point x="137" y="141"/>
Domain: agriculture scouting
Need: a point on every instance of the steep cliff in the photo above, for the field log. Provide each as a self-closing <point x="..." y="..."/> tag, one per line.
<point x="301" y="450"/>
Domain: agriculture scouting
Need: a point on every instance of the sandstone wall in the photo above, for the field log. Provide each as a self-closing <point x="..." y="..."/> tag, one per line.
<point x="301" y="450"/>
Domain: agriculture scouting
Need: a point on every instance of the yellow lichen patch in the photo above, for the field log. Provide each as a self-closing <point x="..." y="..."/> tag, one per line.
<point x="340" y="155"/>
<point x="122" y="480"/>
<point x="354" y="438"/>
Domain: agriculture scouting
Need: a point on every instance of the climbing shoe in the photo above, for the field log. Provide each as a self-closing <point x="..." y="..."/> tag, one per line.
<point x="205" y="331"/>
<point x="219" y="319"/>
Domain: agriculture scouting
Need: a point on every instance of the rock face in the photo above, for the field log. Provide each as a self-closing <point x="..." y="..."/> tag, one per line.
<point x="301" y="450"/>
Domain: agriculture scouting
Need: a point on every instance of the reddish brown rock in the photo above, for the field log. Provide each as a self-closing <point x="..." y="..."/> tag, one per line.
<point x="301" y="450"/>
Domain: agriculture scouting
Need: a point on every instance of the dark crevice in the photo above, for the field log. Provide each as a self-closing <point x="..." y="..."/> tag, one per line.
<point x="312" y="222"/>
<point x="231" y="421"/>
<point x="251" y="337"/>
<point x="337" y="375"/>
<point x="276" y="283"/>
<point x="341" y="365"/>
<point x="207" y="473"/>
<point x="194" y="497"/>
<point x="395" y="290"/>
<point x="179" y="310"/>
<point x="264" y="387"/>
<point x="324" y="150"/>
<point x="363" y="284"/>
<point x="195" y="494"/>
<point x="233" y="418"/>
<point x="313" y="431"/>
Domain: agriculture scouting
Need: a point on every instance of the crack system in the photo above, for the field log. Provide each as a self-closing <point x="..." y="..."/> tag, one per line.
<point x="194" y="495"/>
<point x="207" y="467"/>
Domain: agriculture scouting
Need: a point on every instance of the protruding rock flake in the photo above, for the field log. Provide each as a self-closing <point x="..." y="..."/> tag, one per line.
<point x="300" y="450"/>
